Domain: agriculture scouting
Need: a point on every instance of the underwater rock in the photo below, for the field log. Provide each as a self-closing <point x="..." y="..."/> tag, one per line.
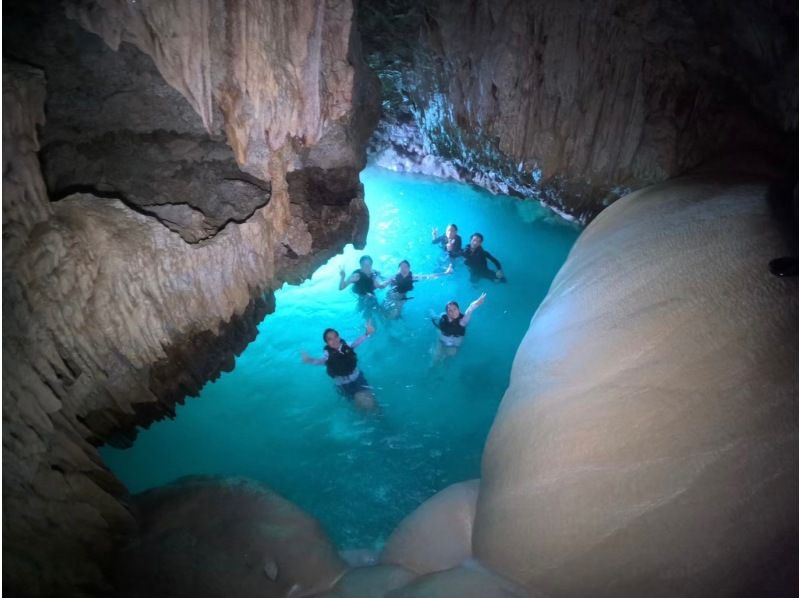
<point x="223" y="537"/>
<point x="438" y="534"/>
<point x="647" y="443"/>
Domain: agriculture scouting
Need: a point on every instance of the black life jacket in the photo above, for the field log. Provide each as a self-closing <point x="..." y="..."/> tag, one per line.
<point x="342" y="361"/>
<point x="365" y="283"/>
<point x="453" y="328"/>
<point x="402" y="284"/>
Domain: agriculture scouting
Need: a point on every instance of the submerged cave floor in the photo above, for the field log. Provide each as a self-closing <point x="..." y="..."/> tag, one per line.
<point x="279" y="421"/>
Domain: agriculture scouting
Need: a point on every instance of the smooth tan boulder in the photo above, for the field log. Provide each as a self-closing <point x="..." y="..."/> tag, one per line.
<point x="647" y="443"/>
<point x="438" y="534"/>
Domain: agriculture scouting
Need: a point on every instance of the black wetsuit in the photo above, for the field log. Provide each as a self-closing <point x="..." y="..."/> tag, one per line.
<point x="476" y="259"/>
<point x="365" y="285"/>
<point x="456" y="249"/>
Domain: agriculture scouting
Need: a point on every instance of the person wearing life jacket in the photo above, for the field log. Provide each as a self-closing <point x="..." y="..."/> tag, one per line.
<point x="365" y="282"/>
<point x="452" y="325"/>
<point x="341" y="363"/>
<point x="450" y="240"/>
<point x="475" y="258"/>
<point x="401" y="284"/>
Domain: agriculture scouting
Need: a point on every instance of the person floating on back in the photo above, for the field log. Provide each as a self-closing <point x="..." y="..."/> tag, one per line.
<point x="341" y="363"/>
<point x="475" y="257"/>
<point x="450" y="240"/>
<point x="403" y="283"/>
<point x="452" y="326"/>
<point x="365" y="282"/>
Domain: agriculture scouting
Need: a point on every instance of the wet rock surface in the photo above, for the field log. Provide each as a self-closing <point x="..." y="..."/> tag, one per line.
<point x="577" y="105"/>
<point x="144" y="265"/>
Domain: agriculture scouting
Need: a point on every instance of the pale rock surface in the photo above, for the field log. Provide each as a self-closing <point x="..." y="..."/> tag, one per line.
<point x="212" y="537"/>
<point x="438" y="534"/>
<point x="647" y="443"/>
<point x="373" y="582"/>
<point x="249" y="58"/>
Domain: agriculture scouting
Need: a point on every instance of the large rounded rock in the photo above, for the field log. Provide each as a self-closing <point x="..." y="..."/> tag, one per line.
<point x="207" y="537"/>
<point x="647" y="444"/>
<point x="438" y="534"/>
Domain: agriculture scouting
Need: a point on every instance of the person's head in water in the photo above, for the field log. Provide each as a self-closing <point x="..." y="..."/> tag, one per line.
<point x="451" y="231"/>
<point x="331" y="338"/>
<point x="405" y="267"/>
<point x="366" y="264"/>
<point x="453" y="311"/>
<point x="476" y="240"/>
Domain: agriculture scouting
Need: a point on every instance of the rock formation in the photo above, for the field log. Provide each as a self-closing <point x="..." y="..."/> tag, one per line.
<point x="208" y="537"/>
<point x="438" y="535"/>
<point x="647" y="443"/>
<point x="178" y="213"/>
<point x="578" y="104"/>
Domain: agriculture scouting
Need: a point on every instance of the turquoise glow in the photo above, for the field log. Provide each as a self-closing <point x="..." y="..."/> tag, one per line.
<point x="280" y="421"/>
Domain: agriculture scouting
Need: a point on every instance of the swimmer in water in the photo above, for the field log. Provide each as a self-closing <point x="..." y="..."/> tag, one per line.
<point x="365" y="282"/>
<point x="401" y="284"/>
<point x="341" y="363"/>
<point x="475" y="257"/>
<point x="450" y="241"/>
<point x="452" y="326"/>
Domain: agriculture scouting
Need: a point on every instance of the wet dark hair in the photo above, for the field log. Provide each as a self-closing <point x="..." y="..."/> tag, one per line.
<point x="404" y="262"/>
<point x="325" y="334"/>
<point x="452" y="303"/>
<point x="363" y="259"/>
<point x="454" y="226"/>
<point x="480" y="236"/>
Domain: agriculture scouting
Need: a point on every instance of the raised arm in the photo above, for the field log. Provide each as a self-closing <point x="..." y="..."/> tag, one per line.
<point x="344" y="283"/>
<point x="370" y="329"/>
<point x="472" y="307"/>
<point x="418" y="277"/>
<point x="435" y="235"/>
<point x="314" y="360"/>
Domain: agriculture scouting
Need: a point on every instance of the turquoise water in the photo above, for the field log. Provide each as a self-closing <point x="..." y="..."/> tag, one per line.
<point x="280" y="421"/>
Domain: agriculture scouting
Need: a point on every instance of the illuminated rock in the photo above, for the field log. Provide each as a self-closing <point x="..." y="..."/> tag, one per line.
<point x="438" y="534"/>
<point x="647" y="443"/>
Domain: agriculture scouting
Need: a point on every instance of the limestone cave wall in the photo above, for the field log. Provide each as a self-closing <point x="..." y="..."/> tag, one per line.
<point x="167" y="165"/>
<point x="579" y="103"/>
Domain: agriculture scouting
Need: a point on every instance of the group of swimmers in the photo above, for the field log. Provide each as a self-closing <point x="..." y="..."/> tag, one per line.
<point x="339" y="357"/>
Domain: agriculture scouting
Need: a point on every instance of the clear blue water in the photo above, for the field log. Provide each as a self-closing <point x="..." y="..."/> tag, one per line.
<point x="280" y="421"/>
